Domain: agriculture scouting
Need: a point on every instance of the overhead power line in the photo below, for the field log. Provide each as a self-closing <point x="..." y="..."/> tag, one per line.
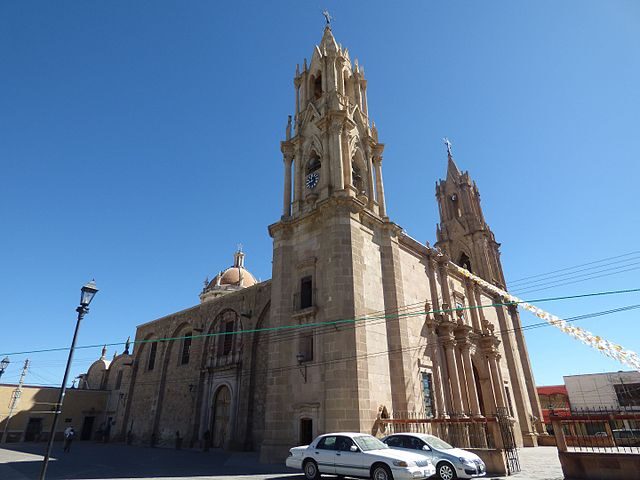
<point x="561" y="284"/>
<point x="513" y="282"/>
<point x="295" y="366"/>
<point x="580" y="272"/>
<point x="334" y="323"/>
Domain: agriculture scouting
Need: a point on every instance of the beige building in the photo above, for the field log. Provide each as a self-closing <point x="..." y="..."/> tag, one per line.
<point x="32" y="416"/>
<point x="611" y="391"/>
<point x="340" y="330"/>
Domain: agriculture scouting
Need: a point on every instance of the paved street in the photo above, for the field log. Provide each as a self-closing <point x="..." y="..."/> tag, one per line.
<point x="97" y="461"/>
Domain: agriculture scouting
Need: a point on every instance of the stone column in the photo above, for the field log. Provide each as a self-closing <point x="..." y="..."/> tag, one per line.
<point x="474" y="402"/>
<point x="436" y="365"/>
<point x="377" y="162"/>
<point x="470" y="287"/>
<point x="286" y="207"/>
<point x="369" y="164"/>
<point x="452" y="369"/>
<point x="496" y="379"/>
<point x="336" y="163"/>
<point x="298" y="180"/>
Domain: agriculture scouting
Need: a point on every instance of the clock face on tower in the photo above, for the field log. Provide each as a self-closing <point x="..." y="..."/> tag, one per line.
<point x="312" y="180"/>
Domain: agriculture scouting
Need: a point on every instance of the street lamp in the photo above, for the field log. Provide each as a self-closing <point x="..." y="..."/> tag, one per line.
<point x="88" y="291"/>
<point x="3" y="365"/>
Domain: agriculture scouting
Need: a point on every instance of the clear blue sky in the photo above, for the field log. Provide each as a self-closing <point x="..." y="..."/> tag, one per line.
<point x="139" y="143"/>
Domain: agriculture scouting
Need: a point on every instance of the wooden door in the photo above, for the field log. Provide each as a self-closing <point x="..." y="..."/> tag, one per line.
<point x="221" y="415"/>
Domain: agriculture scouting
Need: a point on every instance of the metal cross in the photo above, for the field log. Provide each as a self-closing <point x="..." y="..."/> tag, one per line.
<point x="327" y="16"/>
<point x="448" y="144"/>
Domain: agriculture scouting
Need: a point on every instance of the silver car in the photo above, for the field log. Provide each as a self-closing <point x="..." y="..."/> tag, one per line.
<point x="450" y="462"/>
<point x="358" y="455"/>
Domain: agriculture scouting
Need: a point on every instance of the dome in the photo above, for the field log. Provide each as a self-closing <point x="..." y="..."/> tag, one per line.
<point x="230" y="280"/>
<point x="232" y="276"/>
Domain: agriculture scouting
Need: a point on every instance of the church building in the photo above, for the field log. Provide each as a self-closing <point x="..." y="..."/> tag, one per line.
<point x="357" y="316"/>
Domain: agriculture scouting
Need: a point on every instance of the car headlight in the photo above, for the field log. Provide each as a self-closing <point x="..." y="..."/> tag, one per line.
<point x="402" y="463"/>
<point x="466" y="461"/>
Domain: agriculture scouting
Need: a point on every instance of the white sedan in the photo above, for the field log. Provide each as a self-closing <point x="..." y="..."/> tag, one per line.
<point x="358" y="455"/>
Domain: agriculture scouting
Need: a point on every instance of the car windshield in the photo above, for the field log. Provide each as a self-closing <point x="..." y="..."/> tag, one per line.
<point x="368" y="442"/>
<point x="435" y="442"/>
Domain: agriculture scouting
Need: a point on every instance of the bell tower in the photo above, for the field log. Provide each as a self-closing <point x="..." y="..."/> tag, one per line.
<point x="332" y="150"/>
<point x="333" y="255"/>
<point x="463" y="233"/>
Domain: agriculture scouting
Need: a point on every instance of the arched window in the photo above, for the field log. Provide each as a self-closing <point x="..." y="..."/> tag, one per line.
<point x="465" y="262"/>
<point x="356" y="174"/>
<point x="455" y="206"/>
<point x="314" y="162"/>
<point x="186" y="348"/>
<point x="227" y="342"/>
<point x="317" y="87"/>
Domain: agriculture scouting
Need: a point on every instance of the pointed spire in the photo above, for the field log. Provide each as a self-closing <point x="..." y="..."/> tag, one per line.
<point x="115" y="354"/>
<point x="452" y="169"/>
<point x="328" y="42"/>
<point x="127" y="343"/>
<point x="104" y="352"/>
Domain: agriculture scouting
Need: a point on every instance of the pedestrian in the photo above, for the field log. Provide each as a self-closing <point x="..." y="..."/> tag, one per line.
<point x="69" y="434"/>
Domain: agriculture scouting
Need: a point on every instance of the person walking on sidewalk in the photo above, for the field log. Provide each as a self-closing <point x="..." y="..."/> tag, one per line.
<point x="69" y="434"/>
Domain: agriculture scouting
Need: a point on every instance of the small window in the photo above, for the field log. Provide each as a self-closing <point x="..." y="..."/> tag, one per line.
<point x="152" y="356"/>
<point x="314" y="163"/>
<point x="306" y="347"/>
<point x="306" y="293"/>
<point x="427" y="393"/>
<point x="227" y="340"/>
<point x="119" y="380"/>
<point x="327" y="443"/>
<point x="67" y="420"/>
<point x="186" y="348"/>
<point x="628" y="394"/>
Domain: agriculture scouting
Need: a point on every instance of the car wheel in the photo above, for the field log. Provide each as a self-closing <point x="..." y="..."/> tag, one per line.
<point x="311" y="471"/>
<point x="445" y="471"/>
<point x="381" y="472"/>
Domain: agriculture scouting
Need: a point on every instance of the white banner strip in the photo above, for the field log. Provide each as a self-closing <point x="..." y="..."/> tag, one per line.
<point x="610" y="349"/>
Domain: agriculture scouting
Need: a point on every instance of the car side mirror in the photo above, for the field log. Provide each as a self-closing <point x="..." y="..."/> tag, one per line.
<point x="426" y="447"/>
<point x="353" y="448"/>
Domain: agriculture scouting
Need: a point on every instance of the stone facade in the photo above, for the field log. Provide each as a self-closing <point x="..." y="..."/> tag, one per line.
<point x="357" y="315"/>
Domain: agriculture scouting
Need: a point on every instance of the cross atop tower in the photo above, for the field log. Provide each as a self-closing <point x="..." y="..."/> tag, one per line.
<point x="448" y="144"/>
<point x="327" y="16"/>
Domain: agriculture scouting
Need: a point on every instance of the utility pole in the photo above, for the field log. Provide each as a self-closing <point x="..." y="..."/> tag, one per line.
<point x="14" y="399"/>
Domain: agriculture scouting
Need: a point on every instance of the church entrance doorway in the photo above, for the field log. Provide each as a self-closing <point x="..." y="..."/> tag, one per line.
<point x="306" y="431"/>
<point x="221" y="414"/>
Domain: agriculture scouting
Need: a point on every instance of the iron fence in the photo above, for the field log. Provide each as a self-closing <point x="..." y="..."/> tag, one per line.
<point x="461" y="432"/>
<point x="597" y="430"/>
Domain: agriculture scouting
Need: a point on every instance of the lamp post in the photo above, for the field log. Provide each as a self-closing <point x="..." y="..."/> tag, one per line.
<point x="3" y="365"/>
<point x="87" y="293"/>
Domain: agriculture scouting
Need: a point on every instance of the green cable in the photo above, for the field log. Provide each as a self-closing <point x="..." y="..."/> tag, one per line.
<point x="330" y="323"/>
